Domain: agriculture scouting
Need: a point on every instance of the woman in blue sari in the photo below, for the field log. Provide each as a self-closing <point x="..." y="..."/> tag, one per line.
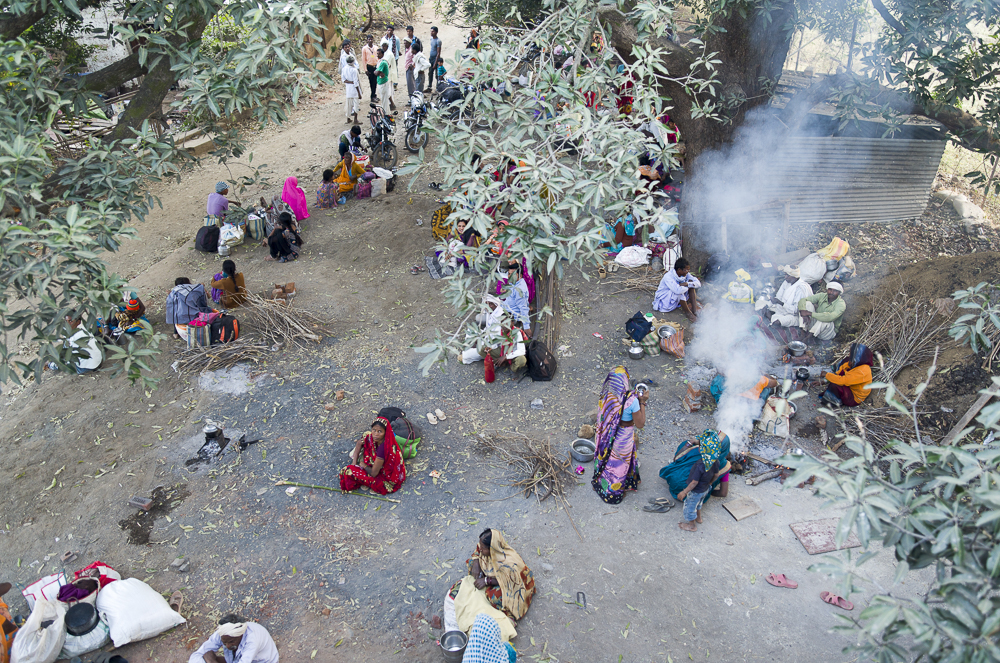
<point x="676" y="472"/>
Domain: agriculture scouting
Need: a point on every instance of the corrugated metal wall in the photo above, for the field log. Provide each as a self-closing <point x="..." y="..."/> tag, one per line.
<point x="853" y="179"/>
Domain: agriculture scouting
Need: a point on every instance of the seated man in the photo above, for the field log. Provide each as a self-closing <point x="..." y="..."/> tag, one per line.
<point x="784" y="308"/>
<point x="350" y="139"/>
<point x="87" y="352"/>
<point x="678" y="288"/>
<point x="218" y="204"/>
<point x="516" y="303"/>
<point x="505" y="337"/>
<point x="849" y="386"/>
<point x="243" y="642"/>
<point x="822" y="313"/>
<point x="184" y="303"/>
<point x="346" y="173"/>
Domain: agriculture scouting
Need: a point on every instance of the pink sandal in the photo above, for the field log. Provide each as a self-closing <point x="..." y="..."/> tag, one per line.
<point x="838" y="601"/>
<point x="779" y="580"/>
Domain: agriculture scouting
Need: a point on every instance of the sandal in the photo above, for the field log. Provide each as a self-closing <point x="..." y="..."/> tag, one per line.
<point x="838" y="601"/>
<point x="432" y="419"/>
<point x="439" y="414"/>
<point x="176" y="601"/>
<point x="602" y="273"/>
<point x="657" y="508"/>
<point x="414" y="271"/>
<point x="779" y="580"/>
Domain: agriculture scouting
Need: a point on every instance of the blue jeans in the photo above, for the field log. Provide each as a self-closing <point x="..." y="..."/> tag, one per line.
<point x="692" y="503"/>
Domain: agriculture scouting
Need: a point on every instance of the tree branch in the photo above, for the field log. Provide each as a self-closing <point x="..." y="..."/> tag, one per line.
<point x="11" y="28"/>
<point x="966" y="127"/>
<point x="113" y="75"/>
<point x="891" y="20"/>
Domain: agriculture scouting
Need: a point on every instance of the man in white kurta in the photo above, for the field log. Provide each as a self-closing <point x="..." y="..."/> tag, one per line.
<point x="352" y="89"/>
<point x="241" y="642"/>
<point x="785" y="305"/>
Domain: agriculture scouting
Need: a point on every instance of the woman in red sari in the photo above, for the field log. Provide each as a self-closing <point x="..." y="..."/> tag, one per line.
<point x="376" y="462"/>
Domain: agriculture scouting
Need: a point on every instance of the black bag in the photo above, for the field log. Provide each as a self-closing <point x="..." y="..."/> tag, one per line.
<point x="451" y="95"/>
<point x="225" y="330"/>
<point x="207" y="239"/>
<point x="541" y="363"/>
<point x="391" y="413"/>
<point x="416" y="46"/>
<point x="638" y="327"/>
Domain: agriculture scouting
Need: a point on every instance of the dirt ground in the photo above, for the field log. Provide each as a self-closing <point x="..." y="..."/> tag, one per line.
<point x="345" y="578"/>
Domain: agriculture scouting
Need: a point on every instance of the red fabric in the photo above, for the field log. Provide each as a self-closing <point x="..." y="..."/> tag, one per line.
<point x="490" y="375"/>
<point x="101" y="572"/>
<point x="390" y="477"/>
<point x="845" y="394"/>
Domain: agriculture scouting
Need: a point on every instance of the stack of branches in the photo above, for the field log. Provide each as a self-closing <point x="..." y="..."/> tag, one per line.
<point x="905" y="330"/>
<point x="642" y="279"/>
<point x="881" y="425"/>
<point x="540" y="470"/>
<point x="226" y="355"/>
<point x="278" y="323"/>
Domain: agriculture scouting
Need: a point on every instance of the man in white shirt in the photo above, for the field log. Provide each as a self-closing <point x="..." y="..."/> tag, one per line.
<point x="393" y="49"/>
<point x="352" y="86"/>
<point x="785" y="305"/>
<point x="345" y="51"/>
<point x="86" y="347"/>
<point x="242" y="642"/>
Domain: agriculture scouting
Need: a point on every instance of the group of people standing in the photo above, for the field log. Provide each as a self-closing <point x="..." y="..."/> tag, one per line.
<point x="381" y="66"/>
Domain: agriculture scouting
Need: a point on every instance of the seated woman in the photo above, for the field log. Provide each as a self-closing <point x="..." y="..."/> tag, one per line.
<point x="485" y="644"/>
<point x="501" y="574"/>
<point x="621" y="412"/>
<point x="849" y="386"/>
<point x="283" y="241"/>
<point x="346" y="173"/>
<point x="293" y="196"/>
<point x="125" y="318"/>
<point x="329" y="192"/>
<point x="711" y="446"/>
<point x="621" y="233"/>
<point x="376" y="462"/>
<point x="232" y="285"/>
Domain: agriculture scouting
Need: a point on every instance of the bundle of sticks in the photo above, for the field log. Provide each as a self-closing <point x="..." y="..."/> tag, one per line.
<point x="226" y="355"/>
<point x="541" y="471"/>
<point x="904" y="330"/>
<point x="278" y="323"/>
<point x="880" y="426"/>
<point x="642" y="279"/>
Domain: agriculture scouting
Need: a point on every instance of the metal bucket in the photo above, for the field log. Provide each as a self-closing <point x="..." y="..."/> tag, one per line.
<point x="453" y="646"/>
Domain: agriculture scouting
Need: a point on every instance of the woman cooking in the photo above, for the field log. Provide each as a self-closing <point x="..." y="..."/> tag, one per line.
<point x="376" y="461"/>
<point x="692" y="460"/>
<point x="616" y="468"/>
<point x="500" y="572"/>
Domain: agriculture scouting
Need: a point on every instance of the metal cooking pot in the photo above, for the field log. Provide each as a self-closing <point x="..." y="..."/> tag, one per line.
<point x="636" y="351"/>
<point x="802" y="373"/>
<point x="797" y="348"/>
<point x="81" y="619"/>
<point x="832" y="265"/>
<point x="582" y="450"/>
<point x="666" y="331"/>
<point x="453" y="646"/>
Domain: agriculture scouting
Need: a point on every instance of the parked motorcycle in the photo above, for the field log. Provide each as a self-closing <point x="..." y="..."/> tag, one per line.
<point x="383" y="150"/>
<point x="413" y="122"/>
<point x="452" y="97"/>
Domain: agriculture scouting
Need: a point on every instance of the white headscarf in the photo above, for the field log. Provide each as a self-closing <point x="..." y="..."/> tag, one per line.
<point x="232" y="630"/>
<point x="833" y="285"/>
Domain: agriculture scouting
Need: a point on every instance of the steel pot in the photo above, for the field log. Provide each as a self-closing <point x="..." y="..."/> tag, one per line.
<point x="81" y="619"/>
<point x="797" y="348"/>
<point x="832" y="265"/>
<point x="802" y="373"/>
<point x="453" y="646"/>
<point x="666" y="331"/>
<point x="636" y="351"/>
<point x="582" y="450"/>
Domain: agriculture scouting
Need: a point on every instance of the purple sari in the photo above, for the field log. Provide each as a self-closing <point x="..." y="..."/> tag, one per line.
<point x="616" y="469"/>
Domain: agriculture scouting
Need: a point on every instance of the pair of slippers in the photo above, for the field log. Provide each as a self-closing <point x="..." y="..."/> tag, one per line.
<point x="659" y="505"/>
<point x="436" y="416"/>
<point x="435" y="185"/>
<point x="779" y="580"/>
<point x="416" y="269"/>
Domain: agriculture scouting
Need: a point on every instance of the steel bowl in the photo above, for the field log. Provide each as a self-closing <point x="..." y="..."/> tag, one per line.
<point x="582" y="450"/>
<point x="453" y="646"/>
<point x="797" y="348"/>
<point x="666" y="331"/>
<point x="81" y="619"/>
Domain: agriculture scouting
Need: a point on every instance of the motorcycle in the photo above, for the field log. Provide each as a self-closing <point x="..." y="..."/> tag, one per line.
<point x="452" y="98"/>
<point x="413" y="122"/>
<point x="383" y="150"/>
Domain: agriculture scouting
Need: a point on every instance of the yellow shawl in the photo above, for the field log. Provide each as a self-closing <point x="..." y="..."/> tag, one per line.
<point x="504" y="564"/>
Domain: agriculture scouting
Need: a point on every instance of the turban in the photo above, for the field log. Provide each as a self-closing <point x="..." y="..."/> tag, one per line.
<point x="232" y="630"/>
<point x="833" y="285"/>
<point x="787" y="269"/>
<point x="220" y="187"/>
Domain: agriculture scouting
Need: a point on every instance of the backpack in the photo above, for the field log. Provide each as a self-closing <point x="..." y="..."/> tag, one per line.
<point x="391" y="413"/>
<point x="541" y="363"/>
<point x="207" y="239"/>
<point x="225" y="330"/>
<point x="407" y="437"/>
<point x="638" y="327"/>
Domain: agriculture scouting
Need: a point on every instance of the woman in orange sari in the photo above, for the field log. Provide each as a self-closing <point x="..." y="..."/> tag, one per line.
<point x="346" y="173"/>
<point x="377" y="461"/>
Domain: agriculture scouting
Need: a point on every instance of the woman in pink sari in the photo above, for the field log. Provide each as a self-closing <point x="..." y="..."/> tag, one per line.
<point x="295" y="197"/>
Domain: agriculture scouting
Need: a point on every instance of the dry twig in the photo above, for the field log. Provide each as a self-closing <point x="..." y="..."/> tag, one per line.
<point x="279" y="323"/>
<point x="227" y="355"/>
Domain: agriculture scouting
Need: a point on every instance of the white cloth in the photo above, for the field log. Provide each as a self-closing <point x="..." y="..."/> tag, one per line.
<point x="786" y="301"/>
<point x="384" y="94"/>
<point x="343" y="62"/>
<point x="83" y="341"/>
<point x="255" y="647"/>
<point x="232" y="630"/>
<point x="352" y="106"/>
<point x="823" y="331"/>
<point x="633" y="256"/>
<point x="352" y="81"/>
<point x="421" y="63"/>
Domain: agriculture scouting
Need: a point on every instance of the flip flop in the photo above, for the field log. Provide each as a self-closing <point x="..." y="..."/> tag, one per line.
<point x="440" y="415"/>
<point x="657" y="508"/>
<point x="414" y="271"/>
<point x="838" y="601"/>
<point x="602" y="273"/>
<point x="661" y="500"/>
<point x="176" y="601"/>
<point x="779" y="580"/>
<point x="432" y="419"/>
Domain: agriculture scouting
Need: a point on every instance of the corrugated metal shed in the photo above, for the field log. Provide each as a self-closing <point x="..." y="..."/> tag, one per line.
<point x="852" y="179"/>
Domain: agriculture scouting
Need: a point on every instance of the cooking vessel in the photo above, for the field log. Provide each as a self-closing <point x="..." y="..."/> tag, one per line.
<point x="582" y="450"/>
<point x="666" y="331"/>
<point x="802" y="373"/>
<point x="636" y="351"/>
<point x="81" y="619"/>
<point x="832" y="265"/>
<point x="797" y="348"/>
<point x="453" y="646"/>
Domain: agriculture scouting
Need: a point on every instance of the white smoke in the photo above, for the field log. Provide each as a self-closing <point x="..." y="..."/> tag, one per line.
<point x="725" y="340"/>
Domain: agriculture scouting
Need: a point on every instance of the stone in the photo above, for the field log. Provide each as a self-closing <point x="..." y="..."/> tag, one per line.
<point x="326" y="612"/>
<point x="586" y="431"/>
<point x="548" y="567"/>
<point x="340" y="394"/>
<point x="436" y="622"/>
<point x="183" y="567"/>
<point x="176" y="563"/>
<point x="536" y="404"/>
<point x="329" y="407"/>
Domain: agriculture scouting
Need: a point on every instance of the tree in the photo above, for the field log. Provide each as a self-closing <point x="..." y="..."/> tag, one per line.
<point x="713" y="66"/>
<point x="63" y="209"/>
<point x="932" y="506"/>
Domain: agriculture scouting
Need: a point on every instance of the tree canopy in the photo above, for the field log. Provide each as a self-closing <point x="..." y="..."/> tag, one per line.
<point x="64" y="207"/>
